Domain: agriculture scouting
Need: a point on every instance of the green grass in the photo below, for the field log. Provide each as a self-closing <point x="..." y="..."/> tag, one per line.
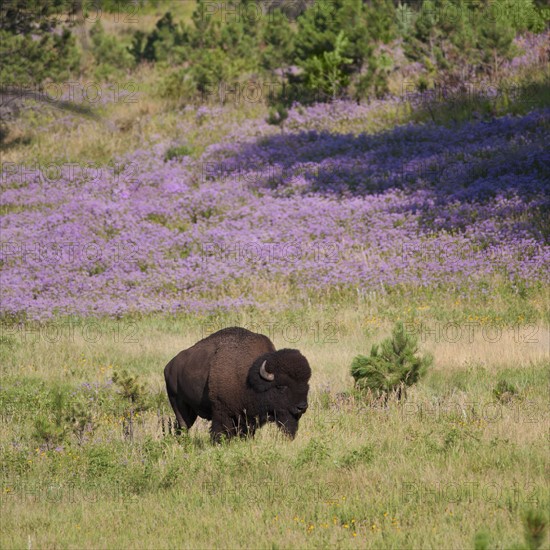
<point x="429" y="472"/>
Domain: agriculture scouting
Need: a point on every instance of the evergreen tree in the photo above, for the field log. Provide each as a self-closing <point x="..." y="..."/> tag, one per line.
<point x="392" y="365"/>
<point x="495" y="43"/>
<point x="366" y="25"/>
<point x="32" y="48"/>
<point x="325" y="74"/>
<point x="166" y="42"/>
<point x="206" y="27"/>
<point x="277" y="41"/>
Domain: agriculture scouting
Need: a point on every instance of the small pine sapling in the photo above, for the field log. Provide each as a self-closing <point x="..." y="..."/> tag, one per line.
<point x="135" y="394"/>
<point x="391" y="366"/>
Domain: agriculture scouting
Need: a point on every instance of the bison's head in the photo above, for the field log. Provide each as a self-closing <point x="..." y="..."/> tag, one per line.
<point x="280" y="382"/>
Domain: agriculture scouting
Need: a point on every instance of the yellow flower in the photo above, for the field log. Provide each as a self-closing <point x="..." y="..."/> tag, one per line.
<point x="354" y="534"/>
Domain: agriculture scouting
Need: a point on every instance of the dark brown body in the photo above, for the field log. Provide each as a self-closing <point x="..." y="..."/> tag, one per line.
<point x="220" y="379"/>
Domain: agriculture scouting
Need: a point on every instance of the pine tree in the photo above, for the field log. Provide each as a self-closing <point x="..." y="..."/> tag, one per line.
<point x="325" y="74"/>
<point x="136" y="396"/>
<point x="31" y="48"/>
<point x="278" y="41"/>
<point x="391" y="366"/>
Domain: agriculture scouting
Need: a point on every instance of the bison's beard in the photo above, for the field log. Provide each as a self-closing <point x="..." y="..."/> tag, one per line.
<point x="287" y="423"/>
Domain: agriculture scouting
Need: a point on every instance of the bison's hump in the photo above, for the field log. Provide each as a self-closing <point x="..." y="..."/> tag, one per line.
<point x="233" y="335"/>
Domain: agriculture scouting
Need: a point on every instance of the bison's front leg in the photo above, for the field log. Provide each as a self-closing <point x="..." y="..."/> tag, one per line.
<point x="222" y="426"/>
<point x="247" y="427"/>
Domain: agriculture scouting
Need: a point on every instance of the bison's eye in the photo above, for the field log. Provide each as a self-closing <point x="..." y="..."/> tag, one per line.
<point x="281" y="388"/>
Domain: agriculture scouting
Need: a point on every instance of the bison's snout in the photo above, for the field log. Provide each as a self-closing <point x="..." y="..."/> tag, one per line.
<point x="300" y="408"/>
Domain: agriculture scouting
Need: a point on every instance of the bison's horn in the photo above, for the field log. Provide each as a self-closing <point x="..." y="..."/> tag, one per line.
<point x="266" y="375"/>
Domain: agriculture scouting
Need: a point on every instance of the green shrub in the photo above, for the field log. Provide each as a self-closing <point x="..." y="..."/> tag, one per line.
<point x="391" y="366"/>
<point x="277" y="116"/>
<point x="505" y="391"/>
<point x="29" y="62"/>
<point x="80" y="419"/>
<point x="278" y="37"/>
<point x="534" y="524"/>
<point x="135" y="396"/>
<point x="48" y="432"/>
<point x="482" y="541"/>
<point x="325" y="73"/>
<point x="363" y="455"/>
<point x="178" y="86"/>
<point x="315" y="452"/>
<point x="177" y="152"/>
<point x="33" y="46"/>
<point x="108" y="51"/>
<point x="50" y="427"/>
<point x="166" y="42"/>
<point x="131" y="389"/>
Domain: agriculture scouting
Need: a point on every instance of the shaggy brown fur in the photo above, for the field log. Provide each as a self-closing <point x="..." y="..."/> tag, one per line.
<point x="219" y="379"/>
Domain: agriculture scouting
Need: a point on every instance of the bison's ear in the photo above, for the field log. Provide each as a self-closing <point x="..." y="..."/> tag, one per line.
<point x="260" y="377"/>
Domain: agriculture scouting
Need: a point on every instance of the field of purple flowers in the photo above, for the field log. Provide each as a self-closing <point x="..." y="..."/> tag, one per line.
<point x="273" y="218"/>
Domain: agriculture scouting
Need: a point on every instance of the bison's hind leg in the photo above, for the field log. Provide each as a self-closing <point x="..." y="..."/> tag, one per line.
<point x="185" y="415"/>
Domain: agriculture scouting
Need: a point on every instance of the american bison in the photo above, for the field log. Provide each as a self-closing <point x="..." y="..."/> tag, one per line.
<point x="238" y="380"/>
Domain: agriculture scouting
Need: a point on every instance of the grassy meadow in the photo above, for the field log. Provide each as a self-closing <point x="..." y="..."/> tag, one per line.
<point x="449" y="463"/>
